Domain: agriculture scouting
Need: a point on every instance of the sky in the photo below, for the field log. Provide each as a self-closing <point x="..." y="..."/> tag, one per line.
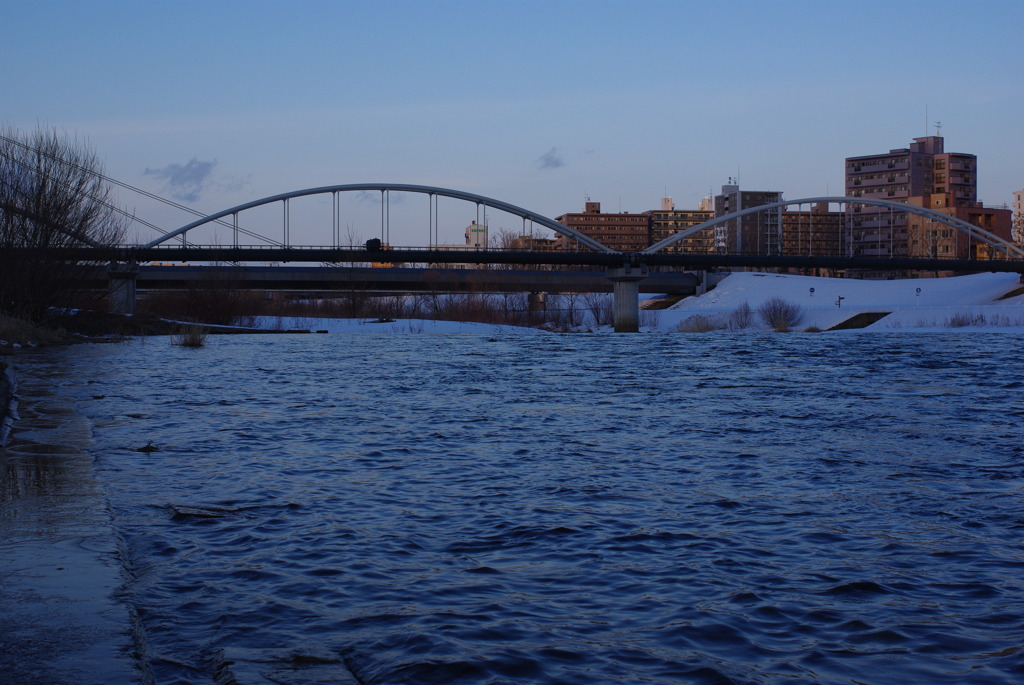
<point x="538" y="104"/>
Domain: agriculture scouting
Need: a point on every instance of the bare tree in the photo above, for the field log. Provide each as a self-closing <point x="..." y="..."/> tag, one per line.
<point x="505" y="240"/>
<point x="600" y="307"/>
<point x="53" y="196"/>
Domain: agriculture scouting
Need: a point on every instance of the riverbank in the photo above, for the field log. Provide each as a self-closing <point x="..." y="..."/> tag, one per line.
<point x="978" y="302"/>
<point x="8" y="404"/>
<point x="59" y="555"/>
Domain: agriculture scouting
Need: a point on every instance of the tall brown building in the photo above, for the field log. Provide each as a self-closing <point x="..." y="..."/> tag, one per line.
<point x="925" y="175"/>
<point x="624" y="232"/>
<point x="759" y="233"/>
<point x="927" y="238"/>
<point x="1018" y="218"/>
<point x="668" y="221"/>
<point x="817" y="232"/>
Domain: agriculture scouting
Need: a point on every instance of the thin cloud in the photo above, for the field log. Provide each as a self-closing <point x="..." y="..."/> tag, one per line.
<point x="552" y="159"/>
<point x="185" y="182"/>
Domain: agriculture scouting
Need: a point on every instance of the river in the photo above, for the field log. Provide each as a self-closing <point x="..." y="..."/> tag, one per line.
<point x="749" y="508"/>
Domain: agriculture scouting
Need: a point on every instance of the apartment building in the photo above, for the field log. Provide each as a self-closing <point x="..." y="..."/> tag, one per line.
<point x="815" y="232"/>
<point x="621" y="231"/>
<point x="758" y="233"/>
<point x="929" y="238"/>
<point x="923" y="174"/>
<point x="668" y="221"/>
<point x="1018" y="217"/>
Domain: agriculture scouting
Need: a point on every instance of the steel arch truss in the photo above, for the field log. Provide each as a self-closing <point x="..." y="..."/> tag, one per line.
<point x="971" y="230"/>
<point x="397" y="187"/>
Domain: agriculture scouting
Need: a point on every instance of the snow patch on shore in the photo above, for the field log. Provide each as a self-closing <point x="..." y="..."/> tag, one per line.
<point x="960" y="303"/>
<point x="371" y="326"/>
<point x="913" y="304"/>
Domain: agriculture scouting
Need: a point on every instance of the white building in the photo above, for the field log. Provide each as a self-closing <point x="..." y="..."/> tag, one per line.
<point x="476" y="239"/>
<point x="476" y="236"/>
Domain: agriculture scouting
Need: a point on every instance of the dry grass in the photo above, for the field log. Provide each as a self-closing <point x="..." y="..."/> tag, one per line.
<point x="698" y="323"/>
<point x="964" y="319"/>
<point x="21" y="332"/>
<point x="190" y="336"/>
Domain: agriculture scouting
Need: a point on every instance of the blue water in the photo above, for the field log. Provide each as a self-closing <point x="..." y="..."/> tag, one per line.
<point x="799" y="508"/>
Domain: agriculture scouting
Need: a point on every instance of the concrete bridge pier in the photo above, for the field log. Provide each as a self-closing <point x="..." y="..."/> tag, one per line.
<point x="122" y="287"/>
<point x="625" y="297"/>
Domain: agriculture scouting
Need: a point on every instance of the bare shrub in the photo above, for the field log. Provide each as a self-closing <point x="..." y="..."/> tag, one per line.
<point x="564" y="312"/>
<point x="698" y="323"/>
<point x="190" y="336"/>
<point x="780" y="315"/>
<point x="962" y="319"/>
<point x="741" y="317"/>
<point x="648" y="318"/>
<point x="214" y="301"/>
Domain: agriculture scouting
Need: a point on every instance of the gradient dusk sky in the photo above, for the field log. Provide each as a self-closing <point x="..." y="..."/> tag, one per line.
<point x="539" y="104"/>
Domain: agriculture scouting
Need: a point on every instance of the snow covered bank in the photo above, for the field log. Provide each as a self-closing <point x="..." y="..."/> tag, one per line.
<point x="912" y="304"/>
<point x="967" y="303"/>
<point x="386" y="326"/>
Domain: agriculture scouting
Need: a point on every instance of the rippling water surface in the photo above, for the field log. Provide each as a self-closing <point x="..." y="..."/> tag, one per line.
<point x="568" y="509"/>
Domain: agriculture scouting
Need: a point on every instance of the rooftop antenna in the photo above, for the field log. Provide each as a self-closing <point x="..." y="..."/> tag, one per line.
<point x="926" y="119"/>
<point x="938" y="128"/>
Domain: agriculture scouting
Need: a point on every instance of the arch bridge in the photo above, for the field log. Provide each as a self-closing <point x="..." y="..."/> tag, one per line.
<point x="624" y="270"/>
<point x="971" y="231"/>
<point x="432" y="192"/>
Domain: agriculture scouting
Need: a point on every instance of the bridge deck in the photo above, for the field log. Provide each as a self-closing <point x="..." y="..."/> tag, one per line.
<point x="490" y="256"/>
<point x="344" y="278"/>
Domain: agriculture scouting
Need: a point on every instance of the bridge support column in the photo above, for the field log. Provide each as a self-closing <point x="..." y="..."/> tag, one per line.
<point x="122" y="287"/>
<point x="537" y="305"/>
<point x="625" y="297"/>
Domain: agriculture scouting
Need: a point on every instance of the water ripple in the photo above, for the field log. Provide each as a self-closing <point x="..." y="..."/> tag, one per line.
<point x="567" y="509"/>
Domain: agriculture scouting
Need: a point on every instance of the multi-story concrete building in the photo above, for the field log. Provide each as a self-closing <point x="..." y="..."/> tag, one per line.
<point x="476" y="236"/>
<point x="758" y="233"/>
<point x="924" y="175"/>
<point x="476" y="239"/>
<point x="920" y="171"/>
<point x="926" y="238"/>
<point x="622" y="231"/>
<point x="816" y="232"/>
<point x="668" y="221"/>
<point x="1018" y="217"/>
<point x="529" y="243"/>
